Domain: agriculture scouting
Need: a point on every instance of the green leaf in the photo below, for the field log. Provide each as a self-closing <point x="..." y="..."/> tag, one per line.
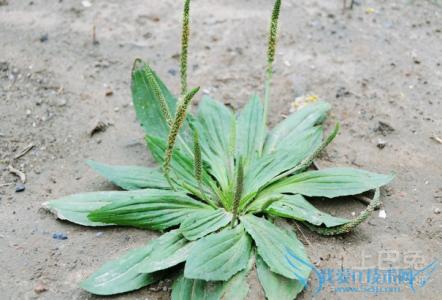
<point x="219" y="256"/>
<point x="332" y="182"/>
<point x="121" y="275"/>
<point x="204" y="222"/>
<point x="276" y="287"/>
<point x="168" y="250"/>
<point x="191" y="289"/>
<point x="297" y="122"/>
<point x="250" y="131"/>
<point x="214" y="123"/>
<point x="130" y="177"/>
<point x="296" y="207"/>
<point x="146" y="103"/>
<point x="236" y="288"/>
<point x="272" y="244"/>
<point x="75" y="208"/>
<point x="150" y="209"/>
<point x="264" y="170"/>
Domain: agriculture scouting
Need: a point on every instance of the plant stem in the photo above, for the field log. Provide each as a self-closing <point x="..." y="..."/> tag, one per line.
<point x="184" y="47"/>
<point x="238" y="191"/>
<point x="271" y="49"/>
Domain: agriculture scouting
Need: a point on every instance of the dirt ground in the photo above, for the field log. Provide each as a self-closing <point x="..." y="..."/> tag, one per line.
<point x="379" y="65"/>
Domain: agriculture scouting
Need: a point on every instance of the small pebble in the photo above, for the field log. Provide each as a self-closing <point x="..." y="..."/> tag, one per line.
<point x="436" y="210"/>
<point x="62" y="102"/>
<point x="381" y="144"/>
<point x="382" y="214"/>
<point x="20" y="187"/>
<point x="98" y="234"/>
<point x="86" y="3"/>
<point x="59" y="236"/>
<point x="172" y="72"/>
<point x="109" y="92"/>
<point x="44" y="38"/>
<point x="40" y="288"/>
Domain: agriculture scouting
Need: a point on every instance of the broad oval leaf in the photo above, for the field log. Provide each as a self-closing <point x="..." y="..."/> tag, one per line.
<point x="194" y="289"/>
<point x="76" y="208"/>
<point x="276" y="287"/>
<point x="150" y="209"/>
<point x="236" y="288"/>
<point x="214" y="123"/>
<point x="121" y="275"/>
<point x="220" y="255"/>
<point x="130" y="177"/>
<point x="298" y="208"/>
<point x="250" y="130"/>
<point x="297" y="122"/>
<point x="273" y="243"/>
<point x="167" y="251"/>
<point x="265" y="169"/>
<point x="203" y="222"/>
<point x="332" y="182"/>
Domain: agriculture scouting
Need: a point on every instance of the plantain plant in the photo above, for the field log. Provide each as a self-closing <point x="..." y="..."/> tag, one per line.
<point x="224" y="181"/>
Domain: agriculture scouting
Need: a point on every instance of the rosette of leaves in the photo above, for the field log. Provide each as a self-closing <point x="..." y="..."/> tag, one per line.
<point x="223" y="179"/>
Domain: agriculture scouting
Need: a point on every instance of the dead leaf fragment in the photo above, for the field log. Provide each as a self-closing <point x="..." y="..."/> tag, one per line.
<point x="17" y="173"/>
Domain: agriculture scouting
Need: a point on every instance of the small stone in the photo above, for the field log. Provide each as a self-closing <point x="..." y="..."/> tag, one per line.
<point x="44" y="38"/>
<point x="40" y="288"/>
<point x="86" y="4"/>
<point x="172" y="72"/>
<point x="384" y="128"/>
<point x="436" y="211"/>
<point x="62" y="102"/>
<point x="381" y="144"/>
<point x="116" y="109"/>
<point x="20" y="187"/>
<point x="109" y="92"/>
<point x="59" y="236"/>
<point x="100" y="233"/>
<point x="382" y="214"/>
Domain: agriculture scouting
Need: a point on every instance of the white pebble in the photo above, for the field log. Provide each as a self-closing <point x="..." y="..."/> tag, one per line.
<point x="86" y="3"/>
<point x="382" y="214"/>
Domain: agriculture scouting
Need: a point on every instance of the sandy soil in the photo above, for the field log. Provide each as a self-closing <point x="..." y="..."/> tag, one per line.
<point x="380" y="62"/>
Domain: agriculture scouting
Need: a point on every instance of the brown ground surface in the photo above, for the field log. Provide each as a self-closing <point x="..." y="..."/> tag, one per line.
<point x="382" y="61"/>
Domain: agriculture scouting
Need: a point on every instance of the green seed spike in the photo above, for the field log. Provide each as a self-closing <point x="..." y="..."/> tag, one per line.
<point x="197" y="156"/>
<point x="271" y="49"/>
<point x="158" y="94"/>
<point x="238" y="190"/>
<point x="180" y="116"/>
<point x="184" y="47"/>
<point x="345" y="228"/>
<point x="198" y="164"/>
